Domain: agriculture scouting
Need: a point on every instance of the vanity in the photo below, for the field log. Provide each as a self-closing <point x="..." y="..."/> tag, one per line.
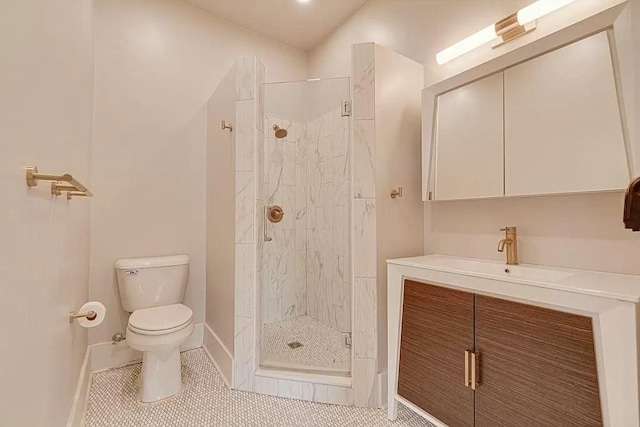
<point x="481" y="343"/>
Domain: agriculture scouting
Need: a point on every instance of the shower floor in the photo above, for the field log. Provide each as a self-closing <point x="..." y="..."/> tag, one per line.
<point x="322" y="348"/>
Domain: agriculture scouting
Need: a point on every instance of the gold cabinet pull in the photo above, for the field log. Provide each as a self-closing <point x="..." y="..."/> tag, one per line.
<point x="466" y="368"/>
<point x="475" y="372"/>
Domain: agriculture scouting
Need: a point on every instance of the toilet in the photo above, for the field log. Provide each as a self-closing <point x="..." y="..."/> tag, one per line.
<point x="152" y="290"/>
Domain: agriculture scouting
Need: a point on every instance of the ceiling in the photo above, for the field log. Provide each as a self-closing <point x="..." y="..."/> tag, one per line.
<point x="301" y="25"/>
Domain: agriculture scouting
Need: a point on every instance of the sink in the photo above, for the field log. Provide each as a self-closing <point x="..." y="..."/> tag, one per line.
<point x="537" y="274"/>
<point x="499" y="270"/>
<point x="616" y="286"/>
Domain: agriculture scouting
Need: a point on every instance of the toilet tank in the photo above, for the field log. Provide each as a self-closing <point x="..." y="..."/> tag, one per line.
<point x="151" y="282"/>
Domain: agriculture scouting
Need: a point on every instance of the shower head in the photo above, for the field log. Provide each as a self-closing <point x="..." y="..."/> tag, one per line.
<point x="280" y="133"/>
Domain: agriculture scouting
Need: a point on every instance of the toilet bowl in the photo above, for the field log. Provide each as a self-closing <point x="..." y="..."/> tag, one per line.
<point x="158" y="333"/>
<point x="152" y="290"/>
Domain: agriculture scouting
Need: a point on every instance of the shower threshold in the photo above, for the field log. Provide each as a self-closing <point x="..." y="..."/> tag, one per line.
<point x="316" y="347"/>
<point x="284" y="366"/>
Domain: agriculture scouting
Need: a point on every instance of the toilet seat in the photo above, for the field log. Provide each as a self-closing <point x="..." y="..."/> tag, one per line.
<point x="160" y="320"/>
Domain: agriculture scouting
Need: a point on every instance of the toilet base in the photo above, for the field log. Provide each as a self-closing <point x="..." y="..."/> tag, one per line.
<point x="161" y="375"/>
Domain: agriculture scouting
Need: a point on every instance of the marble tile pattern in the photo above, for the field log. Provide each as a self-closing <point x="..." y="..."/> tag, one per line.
<point x="365" y="290"/>
<point x="246" y="78"/>
<point x="322" y="347"/>
<point x="364" y="373"/>
<point x="206" y="401"/>
<point x="308" y="260"/>
<point x="246" y="134"/>
<point x="328" y="221"/>
<point x="284" y="274"/>
<point x="363" y="77"/>
<point x="364" y="170"/>
<point x="365" y="320"/>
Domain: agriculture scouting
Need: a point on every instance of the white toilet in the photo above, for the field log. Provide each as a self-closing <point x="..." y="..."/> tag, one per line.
<point x="152" y="290"/>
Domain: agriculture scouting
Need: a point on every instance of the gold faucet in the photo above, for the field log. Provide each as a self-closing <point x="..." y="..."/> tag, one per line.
<point x="511" y="242"/>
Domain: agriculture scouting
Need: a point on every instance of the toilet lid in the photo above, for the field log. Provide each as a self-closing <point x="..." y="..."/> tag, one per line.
<point x="161" y="318"/>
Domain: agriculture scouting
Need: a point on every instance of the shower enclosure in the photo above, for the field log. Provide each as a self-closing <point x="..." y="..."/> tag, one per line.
<point x="300" y="222"/>
<point x="305" y="254"/>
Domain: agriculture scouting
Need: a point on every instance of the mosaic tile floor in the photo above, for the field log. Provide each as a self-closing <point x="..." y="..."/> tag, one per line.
<point x="205" y="401"/>
<point x="322" y="348"/>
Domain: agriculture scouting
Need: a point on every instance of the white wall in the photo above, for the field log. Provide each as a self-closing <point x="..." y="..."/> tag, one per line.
<point x="579" y="231"/>
<point x="583" y="231"/>
<point x="221" y="210"/>
<point x="157" y="64"/>
<point x="417" y="29"/>
<point x="46" y="90"/>
<point x="398" y="124"/>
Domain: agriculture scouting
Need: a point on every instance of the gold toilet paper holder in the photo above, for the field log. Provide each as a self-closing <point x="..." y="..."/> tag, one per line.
<point x="89" y="315"/>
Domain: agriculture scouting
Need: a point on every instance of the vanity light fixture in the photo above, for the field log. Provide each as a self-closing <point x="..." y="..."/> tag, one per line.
<point x="504" y="30"/>
<point x="539" y="9"/>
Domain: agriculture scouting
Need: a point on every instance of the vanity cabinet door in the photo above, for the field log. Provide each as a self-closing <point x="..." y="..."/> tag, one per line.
<point x="437" y="327"/>
<point x="563" y="128"/>
<point x="469" y="158"/>
<point x="537" y="366"/>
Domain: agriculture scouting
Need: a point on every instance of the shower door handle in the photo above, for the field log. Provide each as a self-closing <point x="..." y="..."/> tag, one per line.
<point x="266" y="214"/>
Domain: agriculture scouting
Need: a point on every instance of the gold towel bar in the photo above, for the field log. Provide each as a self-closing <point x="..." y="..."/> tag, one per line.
<point x="72" y="194"/>
<point x="74" y="188"/>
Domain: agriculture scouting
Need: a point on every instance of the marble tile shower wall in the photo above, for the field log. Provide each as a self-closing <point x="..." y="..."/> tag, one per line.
<point x="284" y="269"/>
<point x="249" y="78"/>
<point x="328" y="221"/>
<point x="365" y="326"/>
<point x="306" y="263"/>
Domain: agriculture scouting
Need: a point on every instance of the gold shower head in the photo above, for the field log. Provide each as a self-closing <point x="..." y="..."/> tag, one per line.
<point x="280" y="133"/>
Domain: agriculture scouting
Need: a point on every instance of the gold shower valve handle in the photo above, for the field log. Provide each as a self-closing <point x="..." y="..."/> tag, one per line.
<point x="275" y="214"/>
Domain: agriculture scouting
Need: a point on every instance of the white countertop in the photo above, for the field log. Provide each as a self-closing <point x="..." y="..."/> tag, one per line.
<point x="621" y="287"/>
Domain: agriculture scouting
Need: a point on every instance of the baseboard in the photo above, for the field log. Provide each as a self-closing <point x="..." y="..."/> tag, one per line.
<point x="107" y="355"/>
<point x="383" y="389"/>
<point x="433" y="420"/>
<point x="219" y="354"/>
<point x="79" y="405"/>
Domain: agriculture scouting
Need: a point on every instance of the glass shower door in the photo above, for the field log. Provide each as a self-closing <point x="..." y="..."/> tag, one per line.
<point x="306" y="269"/>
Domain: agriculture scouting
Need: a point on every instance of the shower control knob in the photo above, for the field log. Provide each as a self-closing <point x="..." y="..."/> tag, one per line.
<point x="275" y="214"/>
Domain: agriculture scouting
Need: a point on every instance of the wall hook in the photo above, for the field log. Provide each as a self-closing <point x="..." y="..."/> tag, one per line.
<point x="396" y="193"/>
<point x="224" y="125"/>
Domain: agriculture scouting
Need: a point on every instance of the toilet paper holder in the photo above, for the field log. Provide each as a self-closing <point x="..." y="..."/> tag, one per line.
<point x="90" y="315"/>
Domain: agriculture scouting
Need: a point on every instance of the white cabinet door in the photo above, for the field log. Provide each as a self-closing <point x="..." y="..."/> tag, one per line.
<point x="469" y="141"/>
<point x="563" y="130"/>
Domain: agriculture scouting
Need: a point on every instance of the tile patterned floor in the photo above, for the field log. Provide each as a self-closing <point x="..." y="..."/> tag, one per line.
<point x="322" y="348"/>
<point x="205" y="401"/>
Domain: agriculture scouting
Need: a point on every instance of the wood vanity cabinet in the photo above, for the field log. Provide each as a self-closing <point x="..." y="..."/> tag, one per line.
<point x="535" y="366"/>
<point x="437" y="327"/>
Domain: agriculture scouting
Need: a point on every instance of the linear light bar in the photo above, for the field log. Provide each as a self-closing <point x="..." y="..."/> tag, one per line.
<point x="467" y="45"/>
<point x="508" y="28"/>
<point x="539" y="9"/>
